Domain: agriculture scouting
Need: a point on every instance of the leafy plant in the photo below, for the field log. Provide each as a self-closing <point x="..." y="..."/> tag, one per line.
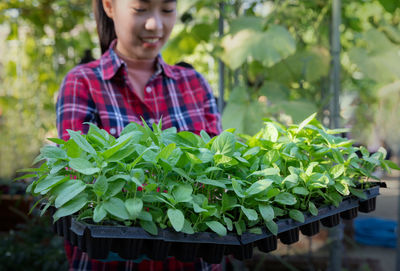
<point x="156" y="178"/>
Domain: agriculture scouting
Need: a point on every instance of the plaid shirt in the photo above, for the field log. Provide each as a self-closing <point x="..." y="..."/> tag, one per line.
<point x="99" y="92"/>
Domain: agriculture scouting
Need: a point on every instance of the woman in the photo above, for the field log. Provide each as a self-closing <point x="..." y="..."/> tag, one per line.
<point x="131" y="81"/>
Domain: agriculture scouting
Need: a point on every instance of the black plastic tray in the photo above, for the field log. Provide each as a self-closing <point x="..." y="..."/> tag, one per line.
<point x="132" y="242"/>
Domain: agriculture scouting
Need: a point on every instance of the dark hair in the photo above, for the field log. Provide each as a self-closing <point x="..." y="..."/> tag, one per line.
<point x="105" y="25"/>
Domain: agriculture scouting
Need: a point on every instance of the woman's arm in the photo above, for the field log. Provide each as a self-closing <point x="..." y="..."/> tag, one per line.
<point x="74" y="105"/>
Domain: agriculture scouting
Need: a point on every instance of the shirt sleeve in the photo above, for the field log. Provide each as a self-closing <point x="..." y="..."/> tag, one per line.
<point x="74" y="105"/>
<point x="212" y="116"/>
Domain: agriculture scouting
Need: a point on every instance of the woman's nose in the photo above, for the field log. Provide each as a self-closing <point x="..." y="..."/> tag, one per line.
<point x="154" y="22"/>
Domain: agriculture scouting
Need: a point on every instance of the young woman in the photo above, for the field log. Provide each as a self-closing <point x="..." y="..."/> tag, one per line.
<point x="131" y="81"/>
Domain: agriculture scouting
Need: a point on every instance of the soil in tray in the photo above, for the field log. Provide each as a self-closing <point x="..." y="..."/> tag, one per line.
<point x="310" y="229"/>
<point x="331" y="221"/>
<point x="184" y="252"/>
<point x="268" y="244"/>
<point x="367" y="205"/>
<point x="289" y="237"/>
<point x="349" y="214"/>
<point x="211" y="253"/>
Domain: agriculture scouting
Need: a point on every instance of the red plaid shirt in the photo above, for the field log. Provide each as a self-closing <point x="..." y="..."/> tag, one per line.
<point x="99" y="92"/>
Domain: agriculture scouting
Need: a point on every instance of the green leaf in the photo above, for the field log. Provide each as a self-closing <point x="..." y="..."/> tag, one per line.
<point x="193" y="158"/>
<point x="100" y="186"/>
<point x="176" y="218"/>
<point x="212" y="182"/>
<point x="337" y="156"/>
<point x="49" y="182"/>
<point x="82" y="142"/>
<point x="392" y="164"/>
<point x="73" y="150"/>
<point x="116" y="207"/>
<point x="259" y="187"/>
<point x="149" y="226"/>
<point x="337" y="170"/>
<point x="296" y="215"/>
<point x="114" y="188"/>
<point x="166" y="152"/>
<point x="228" y="223"/>
<point x="312" y="209"/>
<point x="238" y="189"/>
<point x="53" y="152"/>
<point x="26" y="176"/>
<point x="221" y="159"/>
<point x="71" y="207"/>
<point x="182" y="173"/>
<point x="251" y="152"/>
<point x="198" y="209"/>
<point x="205" y="155"/>
<point x="358" y="193"/>
<point x="266" y="172"/>
<point x="57" y="167"/>
<point x="390" y="5"/>
<point x="342" y="188"/>
<point x="228" y="202"/>
<point x="145" y="216"/>
<point x="120" y="143"/>
<point x="134" y="207"/>
<point x="187" y="228"/>
<point x="256" y="230"/>
<point x="83" y="166"/>
<point x="250" y="213"/>
<point x="224" y="144"/>
<point x="267" y="212"/>
<point x="182" y="193"/>
<point x="38" y="159"/>
<point x="286" y="198"/>
<point x="58" y="141"/>
<point x="300" y="191"/>
<point x="142" y="154"/>
<point x="206" y="138"/>
<point x="270" y="132"/>
<point x="217" y="227"/>
<point x="99" y="213"/>
<point x="74" y="188"/>
<point x="272" y="227"/>
<point x="174" y="157"/>
<point x="305" y="122"/>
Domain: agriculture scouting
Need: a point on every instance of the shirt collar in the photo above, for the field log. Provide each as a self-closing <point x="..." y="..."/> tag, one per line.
<point x="110" y="63"/>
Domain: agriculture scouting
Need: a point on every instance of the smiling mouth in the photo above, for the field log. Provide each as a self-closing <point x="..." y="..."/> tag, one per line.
<point x="151" y="40"/>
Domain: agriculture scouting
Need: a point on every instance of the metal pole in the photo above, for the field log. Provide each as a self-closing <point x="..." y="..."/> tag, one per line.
<point x="221" y="68"/>
<point x="335" y="72"/>
<point x="335" y="234"/>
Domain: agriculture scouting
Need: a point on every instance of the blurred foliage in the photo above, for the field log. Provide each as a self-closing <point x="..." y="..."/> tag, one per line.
<point x="33" y="246"/>
<point x="277" y="54"/>
<point x="43" y="40"/>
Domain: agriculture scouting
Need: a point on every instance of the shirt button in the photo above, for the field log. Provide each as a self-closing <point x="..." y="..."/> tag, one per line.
<point x="112" y="131"/>
<point x="148" y="89"/>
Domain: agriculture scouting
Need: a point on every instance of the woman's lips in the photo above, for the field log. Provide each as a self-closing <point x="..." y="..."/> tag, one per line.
<point x="151" y="42"/>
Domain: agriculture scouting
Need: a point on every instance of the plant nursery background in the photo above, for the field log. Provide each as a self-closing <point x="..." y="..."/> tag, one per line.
<point x="277" y="55"/>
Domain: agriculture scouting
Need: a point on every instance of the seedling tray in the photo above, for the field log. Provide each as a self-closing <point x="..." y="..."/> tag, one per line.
<point x="133" y="242"/>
